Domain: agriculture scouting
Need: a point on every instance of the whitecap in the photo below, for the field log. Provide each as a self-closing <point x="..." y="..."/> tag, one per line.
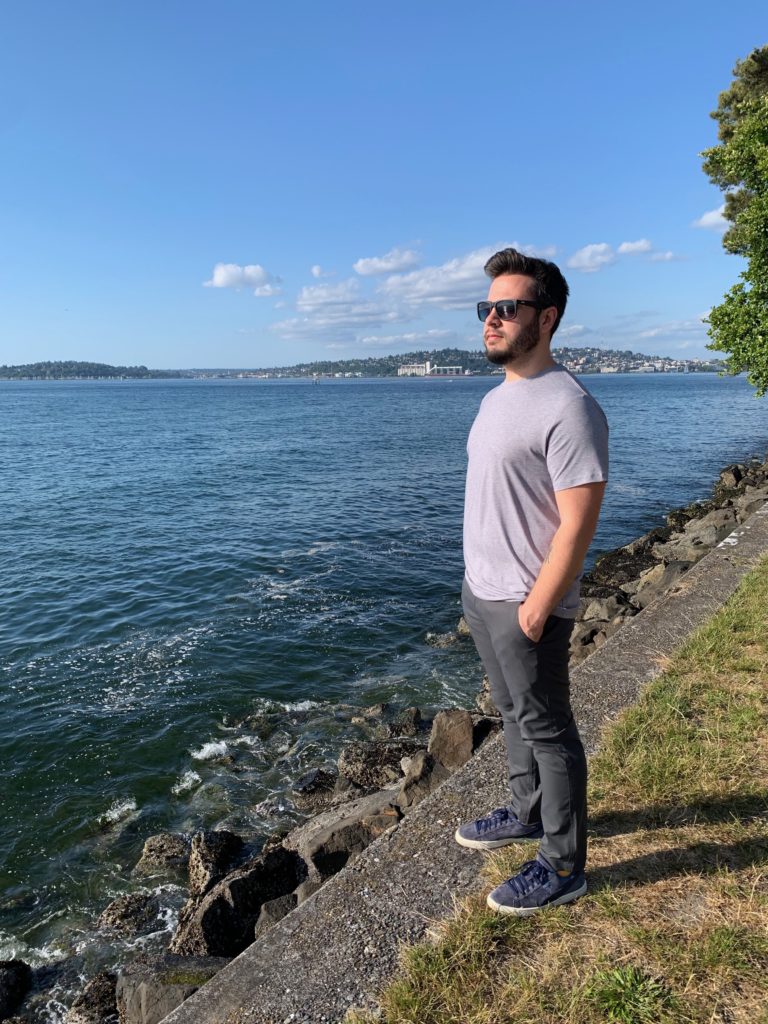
<point x="119" y="810"/>
<point x="210" y="751"/>
<point x="301" y="705"/>
<point x="186" y="782"/>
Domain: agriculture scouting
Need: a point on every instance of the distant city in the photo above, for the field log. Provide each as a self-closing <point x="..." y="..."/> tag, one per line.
<point x="448" y="362"/>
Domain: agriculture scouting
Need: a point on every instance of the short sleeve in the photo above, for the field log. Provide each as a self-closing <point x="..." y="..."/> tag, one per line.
<point x="577" y="445"/>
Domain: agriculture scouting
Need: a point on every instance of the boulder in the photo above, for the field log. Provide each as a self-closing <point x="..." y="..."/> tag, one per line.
<point x="484" y="701"/>
<point x="484" y="726"/>
<point x="462" y="628"/>
<point x="335" y="837"/>
<point x="273" y="911"/>
<point x="583" y="633"/>
<point x="604" y="609"/>
<point x="731" y="476"/>
<point x="314" y="789"/>
<point x="424" y="775"/>
<point x="682" y="548"/>
<point x="213" y="854"/>
<point x="657" y="582"/>
<point x="132" y="914"/>
<point x="407" y="723"/>
<point x="450" y="741"/>
<point x="164" y="851"/>
<point x="151" y="987"/>
<point x="97" y="1003"/>
<point x="713" y="527"/>
<point x="15" y="982"/>
<point x="223" y="921"/>
<point x="376" y="763"/>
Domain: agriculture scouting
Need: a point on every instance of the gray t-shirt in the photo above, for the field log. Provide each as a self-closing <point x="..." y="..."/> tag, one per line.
<point x="531" y="438"/>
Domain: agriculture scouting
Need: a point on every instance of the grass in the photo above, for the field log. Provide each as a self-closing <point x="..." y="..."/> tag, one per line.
<point x="674" y="929"/>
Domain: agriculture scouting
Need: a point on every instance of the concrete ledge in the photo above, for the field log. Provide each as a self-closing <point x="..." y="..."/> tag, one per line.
<point x="340" y="948"/>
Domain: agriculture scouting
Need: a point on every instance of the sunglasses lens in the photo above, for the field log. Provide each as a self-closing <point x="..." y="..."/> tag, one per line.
<point x="506" y="310"/>
<point x="483" y="309"/>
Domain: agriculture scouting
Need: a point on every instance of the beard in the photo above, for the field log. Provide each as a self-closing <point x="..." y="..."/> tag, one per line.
<point x="523" y="343"/>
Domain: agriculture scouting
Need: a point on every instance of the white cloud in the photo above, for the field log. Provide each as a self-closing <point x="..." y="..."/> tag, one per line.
<point x="452" y="285"/>
<point x="232" y="275"/>
<point x="663" y="257"/>
<point x="390" y="263"/>
<point x="410" y="338"/>
<point x="712" y="219"/>
<point x="318" y="272"/>
<point x="334" y="309"/>
<point x="641" y="245"/>
<point x="675" y="329"/>
<point x="572" y="331"/>
<point x="592" y="257"/>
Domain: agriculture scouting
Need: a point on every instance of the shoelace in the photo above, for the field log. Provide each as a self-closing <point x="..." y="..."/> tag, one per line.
<point x="531" y="876"/>
<point x="498" y="817"/>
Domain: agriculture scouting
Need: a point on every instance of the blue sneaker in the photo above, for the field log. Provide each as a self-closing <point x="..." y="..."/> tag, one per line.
<point x="500" y="828"/>
<point x="537" y="886"/>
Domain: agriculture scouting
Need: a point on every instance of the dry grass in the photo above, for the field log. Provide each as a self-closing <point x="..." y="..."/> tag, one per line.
<point x="674" y="929"/>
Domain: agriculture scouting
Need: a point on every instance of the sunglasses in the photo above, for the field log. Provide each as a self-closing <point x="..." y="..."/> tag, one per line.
<point x="506" y="309"/>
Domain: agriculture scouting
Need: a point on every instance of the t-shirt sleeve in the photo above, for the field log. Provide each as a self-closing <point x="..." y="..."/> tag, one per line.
<point x="577" y="446"/>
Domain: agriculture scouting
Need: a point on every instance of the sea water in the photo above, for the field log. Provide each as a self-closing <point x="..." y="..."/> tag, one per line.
<point x="205" y="580"/>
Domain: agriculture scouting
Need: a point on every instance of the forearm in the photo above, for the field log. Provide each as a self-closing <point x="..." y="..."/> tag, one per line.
<point x="561" y="566"/>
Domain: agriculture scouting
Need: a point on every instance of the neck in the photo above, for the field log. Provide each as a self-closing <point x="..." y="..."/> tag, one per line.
<point x="533" y="362"/>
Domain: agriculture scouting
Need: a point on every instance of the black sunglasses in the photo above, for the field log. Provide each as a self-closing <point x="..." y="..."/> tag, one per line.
<point x="506" y="309"/>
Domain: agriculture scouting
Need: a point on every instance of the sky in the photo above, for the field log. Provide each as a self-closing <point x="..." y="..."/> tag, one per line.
<point x="249" y="185"/>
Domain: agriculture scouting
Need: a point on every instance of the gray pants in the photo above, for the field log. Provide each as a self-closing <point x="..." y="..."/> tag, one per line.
<point x="529" y="686"/>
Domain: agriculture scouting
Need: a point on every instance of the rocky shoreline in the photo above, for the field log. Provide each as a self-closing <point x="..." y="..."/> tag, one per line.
<point x="237" y="888"/>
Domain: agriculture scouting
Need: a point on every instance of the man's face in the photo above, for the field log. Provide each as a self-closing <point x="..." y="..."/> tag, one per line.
<point x="507" y="340"/>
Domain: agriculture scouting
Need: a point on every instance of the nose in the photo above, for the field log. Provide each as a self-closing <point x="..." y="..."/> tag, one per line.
<point x="493" y="316"/>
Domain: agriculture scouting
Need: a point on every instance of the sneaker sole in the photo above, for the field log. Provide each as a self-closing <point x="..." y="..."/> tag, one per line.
<point x="568" y="897"/>
<point x="494" y="844"/>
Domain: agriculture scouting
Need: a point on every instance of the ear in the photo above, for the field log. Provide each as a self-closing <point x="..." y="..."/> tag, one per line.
<point x="547" y="318"/>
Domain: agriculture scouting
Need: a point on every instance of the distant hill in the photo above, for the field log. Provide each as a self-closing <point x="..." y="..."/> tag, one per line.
<point x="71" y="369"/>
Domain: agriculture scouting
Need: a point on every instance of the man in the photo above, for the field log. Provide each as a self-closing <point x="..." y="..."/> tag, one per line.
<point x="538" y="462"/>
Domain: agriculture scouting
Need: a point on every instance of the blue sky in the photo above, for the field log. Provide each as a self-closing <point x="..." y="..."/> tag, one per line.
<point x="245" y="184"/>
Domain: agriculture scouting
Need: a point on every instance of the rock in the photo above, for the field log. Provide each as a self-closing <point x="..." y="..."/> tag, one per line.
<point x="151" y="987"/>
<point x="582" y="633"/>
<point x="223" y="921"/>
<point x="713" y="527"/>
<point x="604" y="609"/>
<point x="620" y="566"/>
<point x="731" y="476"/>
<point x="657" y="582"/>
<point x="346" y="789"/>
<point x="377" y="762"/>
<point x="131" y="914"/>
<point x="335" y="837"/>
<point x="164" y="851"/>
<point x="424" y="775"/>
<point x="484" y="726"/>
<point x="484" y="701"/>
<point x="15" y="982"/>
<point x="273" y="911"/>
<point x="462" y="628"/>
<point x="407" y="723"/>
<point x="450" y="741"/>
<point x="314" y="789"/>
<point x="441" y="640"/>
<point x="97" y="1003"/>
<point x="682" y="549"/>
<point x="213" y="854"/>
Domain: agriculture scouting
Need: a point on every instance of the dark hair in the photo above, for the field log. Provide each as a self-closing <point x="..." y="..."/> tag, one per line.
<point x="551" y="288"/>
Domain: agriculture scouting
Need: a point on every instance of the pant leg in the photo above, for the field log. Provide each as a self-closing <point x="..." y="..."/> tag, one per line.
<point x="524" y="782"/>
<point x="536" y="679"/>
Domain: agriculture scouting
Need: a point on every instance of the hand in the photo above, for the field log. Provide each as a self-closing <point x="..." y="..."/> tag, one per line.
<point x="530" y="624"/>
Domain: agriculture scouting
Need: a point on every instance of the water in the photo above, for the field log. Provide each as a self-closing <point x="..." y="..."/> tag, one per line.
<point x="204" y="579"/>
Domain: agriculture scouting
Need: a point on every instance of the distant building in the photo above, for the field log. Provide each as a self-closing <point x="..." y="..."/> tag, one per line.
<point x="414" y="369"/>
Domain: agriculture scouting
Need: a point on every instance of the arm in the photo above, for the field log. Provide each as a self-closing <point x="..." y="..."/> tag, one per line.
<point x="579" y="508"/>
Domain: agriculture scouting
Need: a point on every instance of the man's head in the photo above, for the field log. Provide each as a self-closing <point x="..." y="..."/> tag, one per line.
<point x="513" y="329"/>
<point x="548" y="286"/>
